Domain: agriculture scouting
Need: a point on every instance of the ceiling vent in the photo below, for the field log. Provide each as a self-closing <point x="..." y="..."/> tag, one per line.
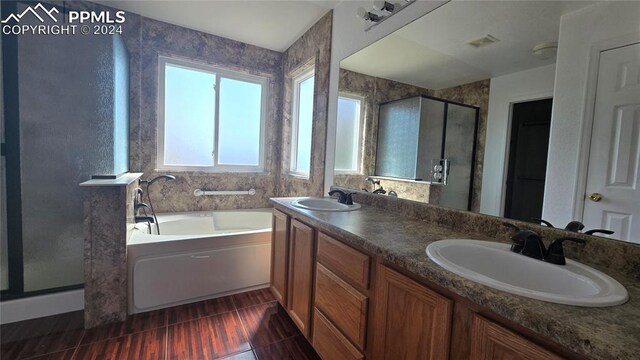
<point x="483" y="41"/>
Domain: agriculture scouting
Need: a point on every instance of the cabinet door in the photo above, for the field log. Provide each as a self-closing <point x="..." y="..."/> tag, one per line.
<point x="490" y="341"/>
<point x="329" y="341"/>
<point x="411" y="321"/>
<point x="279" y="256"/>
<point x="301" y="246"/>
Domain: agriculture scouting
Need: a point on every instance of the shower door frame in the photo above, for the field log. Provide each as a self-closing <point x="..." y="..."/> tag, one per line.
<point x="11" y="153"/>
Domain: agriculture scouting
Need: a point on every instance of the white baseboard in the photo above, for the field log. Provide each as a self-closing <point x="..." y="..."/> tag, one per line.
<point x="40" y="306"/>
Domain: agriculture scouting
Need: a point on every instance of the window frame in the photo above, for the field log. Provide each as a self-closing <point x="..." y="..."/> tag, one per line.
<point x="295" y="111"/>
<point x="360" y="139"/>
<point x="219" y="73"/>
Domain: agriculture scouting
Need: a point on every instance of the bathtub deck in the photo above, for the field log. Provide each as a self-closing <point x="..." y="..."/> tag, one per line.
<point x="244" y="326"/>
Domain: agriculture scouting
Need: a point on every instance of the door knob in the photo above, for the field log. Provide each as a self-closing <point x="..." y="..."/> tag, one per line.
<point x="595" y="197"/>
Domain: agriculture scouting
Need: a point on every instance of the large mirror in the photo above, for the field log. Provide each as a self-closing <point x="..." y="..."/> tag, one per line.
<point x="463" y="108"/>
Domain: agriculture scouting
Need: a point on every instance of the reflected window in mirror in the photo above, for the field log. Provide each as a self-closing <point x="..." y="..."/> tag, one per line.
<point x="302" y="123"/>
<point x="349" y="134"/>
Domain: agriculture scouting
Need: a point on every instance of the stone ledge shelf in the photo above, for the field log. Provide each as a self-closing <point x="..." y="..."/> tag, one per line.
<point x="108" y="221"/>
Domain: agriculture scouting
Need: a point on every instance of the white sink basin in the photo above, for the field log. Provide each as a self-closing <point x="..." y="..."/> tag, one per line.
<point x="494" y="265"/>
<point x="323" y="204"/>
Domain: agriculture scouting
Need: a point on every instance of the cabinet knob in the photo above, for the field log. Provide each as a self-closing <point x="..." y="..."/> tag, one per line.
<point x="595" y="197"/>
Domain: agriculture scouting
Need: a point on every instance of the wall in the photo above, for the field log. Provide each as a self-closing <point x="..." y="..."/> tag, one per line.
<point x="376" y="91"/>
<point x="349" y="36"/>
<point x="159" y="38"/>
<point x="108" y="223"/>
<point x="312" y="49"/>
<point x="582" y="34"/>
<point x="505" y="90"/>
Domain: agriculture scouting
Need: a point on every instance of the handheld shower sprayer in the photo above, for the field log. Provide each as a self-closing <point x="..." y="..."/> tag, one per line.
<point x="149" y="183"/>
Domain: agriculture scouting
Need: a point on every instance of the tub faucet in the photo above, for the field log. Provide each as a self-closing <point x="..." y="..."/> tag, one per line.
<point x="140" y="205"/>
<point x="149" y="183"/>
<point x="147" y="219"/>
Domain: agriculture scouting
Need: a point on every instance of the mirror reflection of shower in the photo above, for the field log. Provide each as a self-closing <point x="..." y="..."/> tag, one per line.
<point x="149" y="205"/>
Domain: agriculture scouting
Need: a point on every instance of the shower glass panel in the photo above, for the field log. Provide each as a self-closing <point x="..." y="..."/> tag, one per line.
<point x="72" y="123"/>
<point x="398" y="135"/>
<point x="416" y="132"/>
<point x="459" y="146"/>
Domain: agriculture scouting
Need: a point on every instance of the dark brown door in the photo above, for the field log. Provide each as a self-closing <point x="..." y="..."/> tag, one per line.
<point x="529" y="145"/>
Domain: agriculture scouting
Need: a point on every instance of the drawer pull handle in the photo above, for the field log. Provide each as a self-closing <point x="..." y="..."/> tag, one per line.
<point x="200" y="256"/>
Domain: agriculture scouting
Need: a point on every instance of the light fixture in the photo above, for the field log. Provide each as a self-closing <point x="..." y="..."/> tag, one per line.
<point x="383" y="6"/>
<point x="368" y="16"/>
<point x="382" y="10"/>
<point x="546" y="50"/>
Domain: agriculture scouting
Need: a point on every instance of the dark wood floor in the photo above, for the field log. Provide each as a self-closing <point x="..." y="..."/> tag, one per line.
<point x="245" y="326"/>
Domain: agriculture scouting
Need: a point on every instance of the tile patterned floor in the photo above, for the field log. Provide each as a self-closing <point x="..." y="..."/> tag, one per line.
<point x="247" y="326"/>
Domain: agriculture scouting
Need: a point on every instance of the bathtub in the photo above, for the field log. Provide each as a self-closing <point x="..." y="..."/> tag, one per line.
<point x="198" y="256"/>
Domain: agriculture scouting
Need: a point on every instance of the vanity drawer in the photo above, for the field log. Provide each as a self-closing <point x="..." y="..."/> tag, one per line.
<point x="350" y="263"/>
<point x="329" y="343"/>
<point x="345" y="306"/>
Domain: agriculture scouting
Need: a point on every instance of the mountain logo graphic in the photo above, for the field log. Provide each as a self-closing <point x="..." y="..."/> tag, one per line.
<point x="34" y="11"/>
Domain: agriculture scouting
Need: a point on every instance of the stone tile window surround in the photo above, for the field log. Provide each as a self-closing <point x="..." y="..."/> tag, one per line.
<point x="302" y="121"/>
<point x="350" y="132"/>
<point x="210" y="119"/>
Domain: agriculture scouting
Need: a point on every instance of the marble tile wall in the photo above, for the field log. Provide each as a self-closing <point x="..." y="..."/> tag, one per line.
<point x="377" y="90"/>
<point x="312" y="49"/>
<point x="108" y="220"/>
<point x="159" y="38"/>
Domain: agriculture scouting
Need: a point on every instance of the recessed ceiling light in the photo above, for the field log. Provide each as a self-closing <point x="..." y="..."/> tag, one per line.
<point x="483" y="41"/>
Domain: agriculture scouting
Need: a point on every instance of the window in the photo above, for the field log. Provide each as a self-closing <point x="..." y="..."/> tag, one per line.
<point x="302" y="123"/>
<point x="210" y="119"/>
<point x="348" y="134"/>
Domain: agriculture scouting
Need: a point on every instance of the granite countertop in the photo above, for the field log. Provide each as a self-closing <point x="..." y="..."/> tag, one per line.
<point x="597" y="333"/>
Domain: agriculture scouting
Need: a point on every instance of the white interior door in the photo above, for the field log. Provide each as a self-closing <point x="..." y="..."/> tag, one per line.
<point x="613" y="180"/>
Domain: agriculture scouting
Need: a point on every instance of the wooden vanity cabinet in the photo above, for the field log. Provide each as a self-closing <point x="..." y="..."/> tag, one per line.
<point x="300" y="275"/>
<point x="411" y="321"/>
<point x="292" y="266"/>
<point x="342" y="300"/>
<point x="490" y="341"/>
<point x="279" y="256"/>
<point x="352" y="307"/>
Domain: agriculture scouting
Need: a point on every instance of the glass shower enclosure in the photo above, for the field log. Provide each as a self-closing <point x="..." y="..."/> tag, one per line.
<point x="66" y="120"/>
<point x="429" y="139"/>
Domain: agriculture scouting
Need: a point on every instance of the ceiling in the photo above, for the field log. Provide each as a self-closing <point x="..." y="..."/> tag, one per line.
<point x="271" y="24"/>
<point x="432" y="52"/>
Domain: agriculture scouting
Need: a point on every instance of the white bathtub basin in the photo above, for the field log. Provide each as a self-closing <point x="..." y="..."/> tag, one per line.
<point x="494" y="265"/>
<point x="323" y="204"/>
